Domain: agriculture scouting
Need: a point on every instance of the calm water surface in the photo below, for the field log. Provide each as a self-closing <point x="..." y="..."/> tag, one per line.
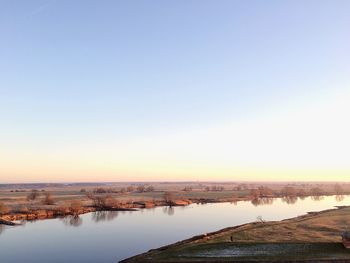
<point x="112" y="236"/>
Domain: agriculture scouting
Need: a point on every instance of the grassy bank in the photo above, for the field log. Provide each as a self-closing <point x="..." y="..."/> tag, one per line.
<point x="314" y="236"/>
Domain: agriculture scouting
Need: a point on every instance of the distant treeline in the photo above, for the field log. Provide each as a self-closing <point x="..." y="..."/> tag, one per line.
<point x="44" y="185"/>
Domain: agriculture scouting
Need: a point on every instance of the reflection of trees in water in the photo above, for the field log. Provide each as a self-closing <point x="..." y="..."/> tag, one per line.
<point x="317" y="197"/>
<point x="100" y="216"/>
<point x="339" y="198"/>
<point x="152" y="209"/>
<point x="2" y="228"/>
<point x="72" y="221"/>
<point x="169" y="210"/>
<point x="290" y="200"/>
<point x="262" y="201"/>
<point x="183" y="207"/>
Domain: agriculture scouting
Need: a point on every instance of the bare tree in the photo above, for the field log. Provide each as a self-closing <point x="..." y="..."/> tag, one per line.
<point x="75" y="207"/>
<point x="149" y="188"/>
<point x="100" y="201"/>
<point x="169" y="198"/>
<point x="216" y="188"/>
<point x="33" y="195"/>
<point x="141" y="188"/>
<point x="316" y="191"/>
<point x="338" y="189"/>
<point x="265" y="191"/>
<point x="3" y="209"/>
<point x="112" y="202"/>
<point x="100" y="190"/>
<point x="255" y="193"/>
<point x="130" y="189"/>
<point x="289" y="191"/>
<point x="48" y="200"/>
<point x="301" y="193"/>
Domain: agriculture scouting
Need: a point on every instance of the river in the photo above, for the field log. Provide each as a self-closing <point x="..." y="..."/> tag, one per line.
<point x="107" y="237"/>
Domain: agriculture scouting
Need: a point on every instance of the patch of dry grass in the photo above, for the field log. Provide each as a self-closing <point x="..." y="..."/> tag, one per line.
<point x="321" y="227"/>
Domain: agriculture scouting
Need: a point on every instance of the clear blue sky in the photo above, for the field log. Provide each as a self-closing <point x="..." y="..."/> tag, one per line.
<point x="91" y="72"/>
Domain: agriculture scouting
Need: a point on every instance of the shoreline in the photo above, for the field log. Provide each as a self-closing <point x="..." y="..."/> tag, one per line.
<point x="207" y="237"/>
<point x="42" y="214"/>
<point x="51" y="213"/>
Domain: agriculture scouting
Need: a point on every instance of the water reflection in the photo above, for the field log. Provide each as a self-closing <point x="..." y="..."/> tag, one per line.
<point x="262" y="201"/>
<point x="2" y="228"/>
<point x="339" y="198"/>
<point x="129" y="228"/>
<point x="100" y="216"/>
<point x="317" y="198"/>
<point x="72" y="221"/>
<point x="169" y="210"/>
<point x="290" y="200"/>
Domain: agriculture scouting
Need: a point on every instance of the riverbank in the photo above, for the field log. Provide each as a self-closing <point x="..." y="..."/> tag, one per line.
<point x="315" y="236"/>
<point x="57" y="212"/>
<point x="41" y="201"/>
<point x="40" y="212"/>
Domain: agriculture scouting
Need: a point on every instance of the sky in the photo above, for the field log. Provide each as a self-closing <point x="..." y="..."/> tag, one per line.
<point x="185" y="90"/>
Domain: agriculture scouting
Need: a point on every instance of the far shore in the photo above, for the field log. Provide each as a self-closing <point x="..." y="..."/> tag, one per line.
<point x="19" y="202"/>
<point x="49" y="213"/>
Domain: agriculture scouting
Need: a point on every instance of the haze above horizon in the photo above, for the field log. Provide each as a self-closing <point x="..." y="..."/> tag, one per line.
<point x="174" y="91"/>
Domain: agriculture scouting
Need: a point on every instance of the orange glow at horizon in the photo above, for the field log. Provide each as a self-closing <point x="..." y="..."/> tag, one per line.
<point x="306" y="145"/>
